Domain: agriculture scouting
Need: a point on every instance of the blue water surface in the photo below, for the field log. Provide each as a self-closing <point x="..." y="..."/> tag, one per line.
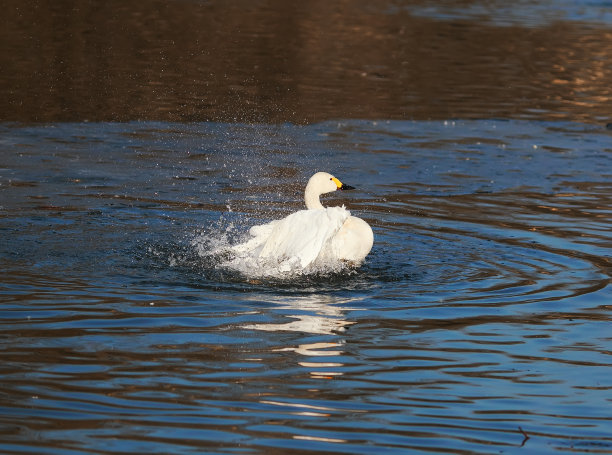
<point x="479" y="323"/>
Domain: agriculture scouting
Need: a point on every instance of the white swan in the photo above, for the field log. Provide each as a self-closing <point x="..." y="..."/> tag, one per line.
<point x="310" y="236"/>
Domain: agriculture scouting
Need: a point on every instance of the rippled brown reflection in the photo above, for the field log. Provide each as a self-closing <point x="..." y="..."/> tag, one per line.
<point x="291" y="61"/>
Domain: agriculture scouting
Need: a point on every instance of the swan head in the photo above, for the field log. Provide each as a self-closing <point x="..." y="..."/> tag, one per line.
<point x="319" y="184"/>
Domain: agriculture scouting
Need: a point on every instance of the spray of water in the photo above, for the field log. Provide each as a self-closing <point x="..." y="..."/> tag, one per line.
<point x="217" y="245"/>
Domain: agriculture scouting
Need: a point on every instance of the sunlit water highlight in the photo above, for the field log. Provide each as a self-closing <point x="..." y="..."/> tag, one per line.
<point x="481" y="316"/>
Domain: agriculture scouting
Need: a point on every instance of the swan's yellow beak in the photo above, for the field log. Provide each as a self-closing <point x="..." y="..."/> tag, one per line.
<point x="342" y="186"/>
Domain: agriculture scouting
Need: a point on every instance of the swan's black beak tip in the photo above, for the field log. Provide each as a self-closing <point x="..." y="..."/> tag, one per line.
<point x="347" y="187"/>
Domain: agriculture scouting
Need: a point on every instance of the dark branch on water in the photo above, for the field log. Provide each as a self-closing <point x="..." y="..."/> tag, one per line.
<point x="525" y="435"/>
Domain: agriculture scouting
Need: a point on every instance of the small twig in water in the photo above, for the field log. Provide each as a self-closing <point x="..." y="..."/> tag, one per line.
<point x="525" y="435"/>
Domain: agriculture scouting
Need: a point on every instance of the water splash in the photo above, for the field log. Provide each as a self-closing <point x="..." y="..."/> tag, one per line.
<point x="218" y="245"/>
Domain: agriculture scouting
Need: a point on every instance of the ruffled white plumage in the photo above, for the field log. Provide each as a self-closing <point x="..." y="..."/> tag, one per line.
<point x="304" y="236"/>
<point x="307" y="238"/>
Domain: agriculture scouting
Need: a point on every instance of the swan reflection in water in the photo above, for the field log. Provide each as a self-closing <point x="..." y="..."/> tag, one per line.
<point x="314" y="314"/>
<point x="319" y="315"/>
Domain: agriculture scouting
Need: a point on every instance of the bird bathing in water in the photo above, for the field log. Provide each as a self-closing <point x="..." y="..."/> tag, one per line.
<point x="310" y="237"/>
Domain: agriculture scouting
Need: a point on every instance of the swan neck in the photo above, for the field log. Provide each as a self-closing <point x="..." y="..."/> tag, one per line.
<point x="312" y="199"/>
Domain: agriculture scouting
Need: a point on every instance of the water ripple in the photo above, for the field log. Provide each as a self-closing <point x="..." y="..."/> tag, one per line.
<point x="479" y="323"/>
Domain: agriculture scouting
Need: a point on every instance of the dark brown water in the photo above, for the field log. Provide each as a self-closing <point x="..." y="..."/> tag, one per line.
<point x="135" y="137"/>
<point x="276" y="61"/>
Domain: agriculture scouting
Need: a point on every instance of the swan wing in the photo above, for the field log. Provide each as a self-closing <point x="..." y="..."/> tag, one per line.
<point x="304" y="234"/>
<point x="259" y="235"/>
